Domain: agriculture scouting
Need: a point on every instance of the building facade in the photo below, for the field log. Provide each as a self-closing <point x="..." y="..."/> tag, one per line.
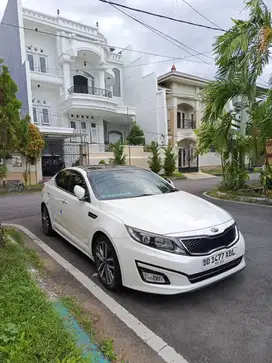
<point x="73" y="86"/>
<point x="184" y="115"/>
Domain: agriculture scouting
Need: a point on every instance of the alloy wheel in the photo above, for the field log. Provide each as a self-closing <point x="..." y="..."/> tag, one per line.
<point x="45" y="220"/>
<point x="105" y="262"/>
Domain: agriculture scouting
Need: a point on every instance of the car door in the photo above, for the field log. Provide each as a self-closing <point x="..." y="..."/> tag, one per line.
<point x="78" y="223"/>
<point x="59" y="200"/>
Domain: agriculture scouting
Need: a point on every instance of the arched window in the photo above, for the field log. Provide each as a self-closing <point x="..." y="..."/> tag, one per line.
<point x="117" y="84"/>
<point x="80" y="84"/>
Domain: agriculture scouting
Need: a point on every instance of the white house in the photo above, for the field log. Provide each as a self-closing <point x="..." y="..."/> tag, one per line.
<point x="72" y="81"/>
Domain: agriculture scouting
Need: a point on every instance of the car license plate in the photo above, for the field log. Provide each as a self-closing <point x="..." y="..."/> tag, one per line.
<point x="219" y="258"/>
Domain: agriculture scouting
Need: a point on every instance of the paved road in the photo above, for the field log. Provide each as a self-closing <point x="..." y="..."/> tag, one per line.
<point x="230" y="322"/>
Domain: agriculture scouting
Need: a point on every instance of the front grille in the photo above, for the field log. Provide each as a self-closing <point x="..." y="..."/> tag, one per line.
<point x="203" y="245"/>
<point x="214" y="272"/>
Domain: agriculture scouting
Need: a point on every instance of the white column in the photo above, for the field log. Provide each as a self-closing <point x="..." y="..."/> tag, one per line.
<point x="66" y="78"/>
<point x="102" y="79"/>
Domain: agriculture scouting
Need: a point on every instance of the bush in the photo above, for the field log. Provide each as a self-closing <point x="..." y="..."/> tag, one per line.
<point x="155" y="163"/>
<point x="3" y="172"/>
<point x="118" y="153"/>
<point x="170" y="158"/>
<point x="102" y="162"/>
<point x="136" y="135"/>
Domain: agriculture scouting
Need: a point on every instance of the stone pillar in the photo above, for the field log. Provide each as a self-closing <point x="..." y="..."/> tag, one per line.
<point x="66" y="78"/>
<point x="173" y="109"/>
<point x="102" y="79"/>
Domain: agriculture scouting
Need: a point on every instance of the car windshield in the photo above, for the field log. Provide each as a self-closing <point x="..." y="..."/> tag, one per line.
<point x="130" y="183"/>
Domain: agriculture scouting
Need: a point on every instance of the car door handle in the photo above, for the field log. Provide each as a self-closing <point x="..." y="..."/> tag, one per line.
<point x="49" y="193"/>
<point x="64" y="201"/>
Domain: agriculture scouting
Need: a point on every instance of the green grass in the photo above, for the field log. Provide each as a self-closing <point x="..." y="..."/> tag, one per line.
<point x="31" y="331"/>
<point x="212" y="171"/>
<point x="218" y="170"/>
<point x="238" y="195"/>
<point x="176" y="176"/>
<point x="84" y="320"/>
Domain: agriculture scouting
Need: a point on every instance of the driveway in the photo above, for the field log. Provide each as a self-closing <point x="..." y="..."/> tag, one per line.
<point x="229" y="322"/>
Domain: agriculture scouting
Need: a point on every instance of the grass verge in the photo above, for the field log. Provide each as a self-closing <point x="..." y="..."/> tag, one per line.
<point x="84" y="320"/>
<point x="250" y="195"/>
<point x="217" y="171"/>
<point x="175" y="176"/>
<point x="30" y="329"/>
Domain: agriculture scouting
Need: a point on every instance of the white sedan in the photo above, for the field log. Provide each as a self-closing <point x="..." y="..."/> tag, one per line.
<point x="140" y="231"/>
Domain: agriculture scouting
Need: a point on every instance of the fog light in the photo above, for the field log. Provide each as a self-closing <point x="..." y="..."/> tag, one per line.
<point x="153" y="277"/>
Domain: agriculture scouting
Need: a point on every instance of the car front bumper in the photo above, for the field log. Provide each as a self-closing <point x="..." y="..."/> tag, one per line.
<point x="180" y="273"/>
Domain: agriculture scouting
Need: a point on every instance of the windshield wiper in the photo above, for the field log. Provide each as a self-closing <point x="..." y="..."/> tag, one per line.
<point x="142" y="195"/>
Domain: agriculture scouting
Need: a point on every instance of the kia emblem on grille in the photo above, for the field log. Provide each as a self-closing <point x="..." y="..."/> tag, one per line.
<point x="214" y="230"/>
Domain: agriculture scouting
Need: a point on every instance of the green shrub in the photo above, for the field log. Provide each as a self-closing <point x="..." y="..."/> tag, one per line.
<point x="170" y="158"/>
<point x="102" y="162"/>
<point x="118" y="152"/>
<point x="154" y="161"/>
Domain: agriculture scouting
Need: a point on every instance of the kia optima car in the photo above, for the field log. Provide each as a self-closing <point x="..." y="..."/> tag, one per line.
<point x="140" y="231"/>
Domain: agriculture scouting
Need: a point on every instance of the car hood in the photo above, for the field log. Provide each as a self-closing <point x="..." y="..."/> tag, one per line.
<point x="170" y="213"/>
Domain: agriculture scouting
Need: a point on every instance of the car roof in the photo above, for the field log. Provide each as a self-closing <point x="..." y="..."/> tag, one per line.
<point x="106" y="167"/>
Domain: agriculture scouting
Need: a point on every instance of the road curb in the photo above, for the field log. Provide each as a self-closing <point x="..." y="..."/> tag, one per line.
<point x="236" y="201"/>
<point x="166" y="352"/>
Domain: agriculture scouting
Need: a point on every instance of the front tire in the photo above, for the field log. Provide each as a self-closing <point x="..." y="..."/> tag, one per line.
<point x="107" y="263"/>
<point x="46" y="222"/>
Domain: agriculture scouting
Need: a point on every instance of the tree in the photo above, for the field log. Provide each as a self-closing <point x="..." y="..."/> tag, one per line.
<point x="31" y="146"/>
<point x="9" y="114"/>
<point x="170" y="158"/>
<point x="118" y="153"/>
<point x="241" y="55"/>
<point x="3" y="172"/>
<point x="154" y="161"/>
<point x="136" y="135"/>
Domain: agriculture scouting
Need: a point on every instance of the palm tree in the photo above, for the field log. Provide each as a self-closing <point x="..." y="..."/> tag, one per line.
<point x="241" y="55"/>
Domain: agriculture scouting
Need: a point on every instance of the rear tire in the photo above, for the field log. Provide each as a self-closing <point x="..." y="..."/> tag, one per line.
<point x="107" y="263"/>
<point x="46" y="222"/>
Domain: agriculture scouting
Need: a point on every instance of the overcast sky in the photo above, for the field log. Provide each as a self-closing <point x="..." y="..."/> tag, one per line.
<point x="122" y="31"/>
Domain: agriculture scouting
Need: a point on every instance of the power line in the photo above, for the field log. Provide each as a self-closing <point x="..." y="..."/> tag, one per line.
<point x="86" y="69"/>
<point x="165" y="36"/>
<point x="161" y="16"/>
<point x="203" y="16"/>
<point x="88" y="41"/>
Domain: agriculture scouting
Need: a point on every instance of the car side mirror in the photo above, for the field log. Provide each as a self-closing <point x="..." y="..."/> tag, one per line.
<point x="79" y="192"/>
<point x="170" y="182"/>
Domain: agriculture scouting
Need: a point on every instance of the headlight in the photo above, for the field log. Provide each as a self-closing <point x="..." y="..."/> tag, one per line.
<point x="156" y="241"/>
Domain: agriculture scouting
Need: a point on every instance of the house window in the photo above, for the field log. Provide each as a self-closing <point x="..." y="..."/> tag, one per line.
<point x="43" y="64"/>
<point x="93" y="133"/>
<point x="183" y="120"/>
<point x="83" y="127"/>
<point x="178" y="120"/>
<point x="117" y="84"/>
<point x="30" y="59"/>
<point x="45" y="116"/>
<point x="73" y="125"/>
<point x="35" y="116"/>
<point x="169" y="125"/>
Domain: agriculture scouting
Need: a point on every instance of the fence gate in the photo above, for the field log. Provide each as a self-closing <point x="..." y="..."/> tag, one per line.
<point x="187" y="160"/>
<point x="75" y="153"/>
